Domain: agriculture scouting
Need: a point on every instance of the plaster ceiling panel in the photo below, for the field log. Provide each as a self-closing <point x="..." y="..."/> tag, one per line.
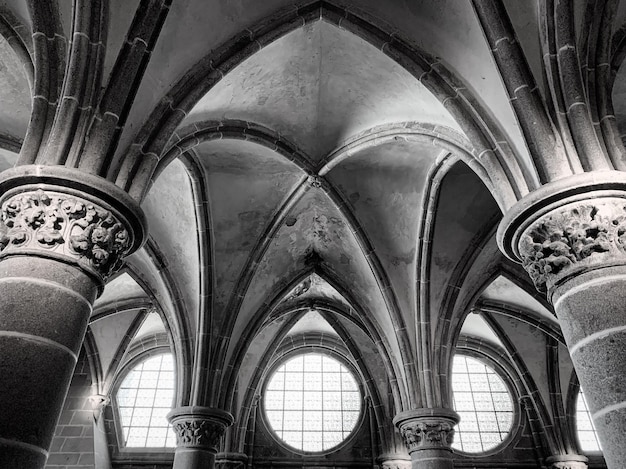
<point x="361" y="87"/>
<point x="7" y="159"/>
<point x="319" y="85"/>
<point x="312" y="322"/>
<point x="143" y="266"/>
<point x="530" y="346"/>
<point x="191" y="31"/>
<point x="150" y="326"/>
<point x="619" y="99"/>
<point x="109" y="333"/>
<point x="465" y="212"/>
<point x="14" y="94"/>
<point x="121" y="14"/>
<point x="475" y="326"/>
<point x="620" y="15"/>
<point x="171" y="213"/>
<point x="450" y="31"/>
<point x="122" y="287"/>
<point x="247" y="185"/>
<point x="384" y="187"/>
<point x="503" y="291"/>
<point x="320" y="234"/>
<point x="19" y="8"/>
<point x="277" y="87"/>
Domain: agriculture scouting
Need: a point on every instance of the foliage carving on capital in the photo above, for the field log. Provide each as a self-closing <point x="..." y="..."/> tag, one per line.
<point x="427" y="434"/>
<point x="66" y="225"/>
<point x="567" y="236"/>
<point x="198" y="433"/>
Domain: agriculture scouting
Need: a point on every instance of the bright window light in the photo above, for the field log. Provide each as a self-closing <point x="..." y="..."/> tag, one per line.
<point x="483" y="401"/>
<point x="312" y="402"/>
<point x="587" y="436"/>
<point x="143" y="400"/>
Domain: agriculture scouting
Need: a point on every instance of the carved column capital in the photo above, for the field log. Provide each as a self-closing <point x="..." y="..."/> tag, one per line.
<point x="63" y="214"/>
<point x="199" y="427"/>
<point x="568" y="227"/>
<point x="567" y="461"/>
<point x="424" y="429"/>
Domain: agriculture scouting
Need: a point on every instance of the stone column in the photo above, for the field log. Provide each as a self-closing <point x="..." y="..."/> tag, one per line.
<point x="567" y="461"/>
<point x="570" y="236"/>
<point x="198" y="434"/>
<point x="62" y="233"/>
<point x="393" y="461"/>
<point x="231" y="461"/>
<point x="428" y="434"/>
<point x="102" y="458"/>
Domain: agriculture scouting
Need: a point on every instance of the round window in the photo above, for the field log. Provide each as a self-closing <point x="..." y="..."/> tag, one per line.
<point x="483" y="401"/>
<point x="312" y="402"/>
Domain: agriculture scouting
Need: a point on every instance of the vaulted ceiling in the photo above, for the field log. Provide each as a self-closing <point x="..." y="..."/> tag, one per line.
<point x="314" y="168"/>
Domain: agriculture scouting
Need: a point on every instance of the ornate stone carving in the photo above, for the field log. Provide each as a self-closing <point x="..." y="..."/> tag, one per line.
<point x="201" y="433"/>
<point x="424" y="434"/>
<point x="58" y="225"/>
<point x="427" y="428"/>
<point x="199" y="427"/>
<point x="573" y="236"/>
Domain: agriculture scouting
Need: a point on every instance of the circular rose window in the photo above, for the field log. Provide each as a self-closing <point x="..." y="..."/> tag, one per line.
<point x="312" y="402"/>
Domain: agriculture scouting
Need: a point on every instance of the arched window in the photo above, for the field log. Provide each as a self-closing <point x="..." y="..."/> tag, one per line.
<point x="312" y="402"/>
<point x="587" y="437"/>
<point x="143" y="399"/>
<point x="483" y="401"/>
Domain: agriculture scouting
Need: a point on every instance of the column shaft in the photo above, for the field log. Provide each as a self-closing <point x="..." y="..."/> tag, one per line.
<point x="592" y="311"/>
<point x="44" y="312"/>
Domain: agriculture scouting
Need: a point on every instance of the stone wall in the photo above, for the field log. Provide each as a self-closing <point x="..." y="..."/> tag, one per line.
<point x="73" y="442"/>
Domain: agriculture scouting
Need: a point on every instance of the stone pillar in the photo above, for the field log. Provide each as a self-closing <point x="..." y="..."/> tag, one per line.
<point x="231" y="461"/>
<point x="102" y="458"/>
<point x="62" y="233"/>
<point x="428" y="434"/>
<point x="567" y="461"/>
<point x="393" y="461"/>
<point x="198" y="434"/>
<point x="570" y="236"/>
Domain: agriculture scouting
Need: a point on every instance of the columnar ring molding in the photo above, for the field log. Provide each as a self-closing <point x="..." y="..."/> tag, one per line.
<point x="568" y="227"/>
<point x="568" y="461"/>
<point x="426" y="429"/>
<point x="70" y="216"/>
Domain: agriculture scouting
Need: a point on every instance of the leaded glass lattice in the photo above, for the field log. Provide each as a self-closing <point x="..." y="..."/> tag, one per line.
<point x="587" y="436"/>
<point x="312" y="402"/>
<point x="143" y="400"/>
<point x="483" y="402"/>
